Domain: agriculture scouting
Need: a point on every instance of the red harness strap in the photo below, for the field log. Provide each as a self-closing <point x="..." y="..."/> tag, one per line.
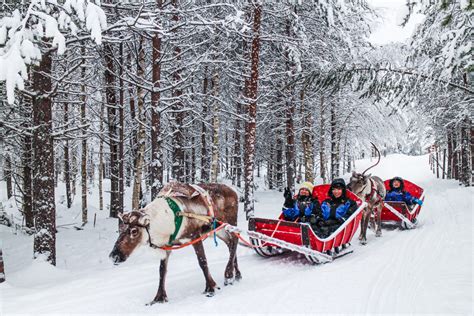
<point x="373" y="191"/>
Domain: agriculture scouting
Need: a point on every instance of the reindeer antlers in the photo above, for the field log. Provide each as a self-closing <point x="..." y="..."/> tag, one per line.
<point x="378" y="152"/>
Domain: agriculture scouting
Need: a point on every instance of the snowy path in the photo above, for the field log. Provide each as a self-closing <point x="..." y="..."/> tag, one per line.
<point x="426" y="270"/>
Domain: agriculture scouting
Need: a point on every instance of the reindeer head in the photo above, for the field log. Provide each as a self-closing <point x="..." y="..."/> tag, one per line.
<point x="358" y="182"/>
<point x="132" y="235"/>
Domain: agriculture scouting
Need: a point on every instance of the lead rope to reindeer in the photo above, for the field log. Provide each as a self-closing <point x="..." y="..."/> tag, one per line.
<point x="214" y="225"/>
<point x="250" y="245"/>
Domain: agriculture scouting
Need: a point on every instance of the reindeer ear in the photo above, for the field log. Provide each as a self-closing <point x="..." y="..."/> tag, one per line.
<point x="120" y="216"/>
<point x="354" y="173"/>
<point x="144" y="219"/>
<point x="368" y="176"/>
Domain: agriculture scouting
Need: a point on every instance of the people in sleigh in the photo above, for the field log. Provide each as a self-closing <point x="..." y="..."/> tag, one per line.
<point x="398" y="194"/>
<point x="325" y="218"/>
<point x="334" y="211"/>
<point x="300" y="207"/>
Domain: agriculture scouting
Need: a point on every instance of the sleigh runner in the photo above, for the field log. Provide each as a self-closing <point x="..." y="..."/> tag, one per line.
<point x="398" y="213"/>
<point x="275" y="236"/>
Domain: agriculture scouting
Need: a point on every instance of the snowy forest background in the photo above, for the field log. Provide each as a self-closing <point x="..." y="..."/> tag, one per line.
<point x="142" y="92"/>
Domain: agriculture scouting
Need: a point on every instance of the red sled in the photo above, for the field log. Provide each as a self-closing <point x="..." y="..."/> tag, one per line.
<point x="276" y="236"/>
<point x="398" y="213"/>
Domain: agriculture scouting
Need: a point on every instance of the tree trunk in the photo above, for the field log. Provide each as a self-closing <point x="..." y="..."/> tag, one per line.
<point x="237" y="148"/>
<point x="334" y="144"/>
<point x="450" y="153"/>
<point x="43" y="164"/>
<point x="178" y="130"/>
<point x="84" y="142"/>
<point x="215" y="129"/>
<point x="2" y="268"/>
<point x="113" y="132"/>
<point x="204" y="152"/>
<point x="322" y="142"/>
<point x="27" y="162"/>
<point x="7" y="173"/>
<point x="279" y="160"/>
<point x="307" y="141"/>
<point x="67" y="166"/>
<point x="137" y="183"/>
<point x="101" y="160"/>
<point x="120" y="159"/>
<point x="156" y="165"/>
<point x="250" y="134"/>
<point x="466" y="168"/>
<point x="454" y="162"/>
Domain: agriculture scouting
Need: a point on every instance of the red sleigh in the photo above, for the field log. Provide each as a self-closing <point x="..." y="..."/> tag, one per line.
<point x="399" y="213"/>
<point x="275" y="236"/>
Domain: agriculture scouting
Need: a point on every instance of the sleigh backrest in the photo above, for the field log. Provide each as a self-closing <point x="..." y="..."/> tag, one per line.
<point x="408" y="186"/>
<point x="321" y="193"/>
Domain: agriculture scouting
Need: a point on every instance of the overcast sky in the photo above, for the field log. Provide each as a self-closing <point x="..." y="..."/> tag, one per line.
<point x="389" y="29"/>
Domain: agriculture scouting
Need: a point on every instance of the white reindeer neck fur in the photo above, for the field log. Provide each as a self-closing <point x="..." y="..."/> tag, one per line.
<point x="162" y="221"/>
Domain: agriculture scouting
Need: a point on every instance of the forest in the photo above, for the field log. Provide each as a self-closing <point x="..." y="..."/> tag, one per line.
<point x="141" y="93"/>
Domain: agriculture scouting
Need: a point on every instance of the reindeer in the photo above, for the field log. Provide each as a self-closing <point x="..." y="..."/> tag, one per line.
<point x="372" y="190"/>
<point x="163" y="223"/>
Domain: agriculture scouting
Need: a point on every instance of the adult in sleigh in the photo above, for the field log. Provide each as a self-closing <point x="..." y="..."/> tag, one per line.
<point x="324" y="222"/>
<point x="402" y="203"/>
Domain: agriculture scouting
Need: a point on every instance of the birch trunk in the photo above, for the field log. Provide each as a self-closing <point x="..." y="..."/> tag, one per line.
<point x="139" y="161"/>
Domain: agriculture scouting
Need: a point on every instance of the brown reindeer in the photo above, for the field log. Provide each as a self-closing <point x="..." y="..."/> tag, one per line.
<point x="372" y="190"/>
<point x="159" y="225"/>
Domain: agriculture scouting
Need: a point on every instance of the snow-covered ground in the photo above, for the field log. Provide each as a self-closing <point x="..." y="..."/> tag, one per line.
<point x="426" y="270"/>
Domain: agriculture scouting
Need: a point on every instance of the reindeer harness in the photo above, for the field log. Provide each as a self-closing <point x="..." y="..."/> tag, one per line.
<point x="179" y="214"/>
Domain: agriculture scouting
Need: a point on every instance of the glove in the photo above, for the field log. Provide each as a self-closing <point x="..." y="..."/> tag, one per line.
<point x="287" y="193"/>
<point x="308" y="211"/>
<point x="326" y="210"/>
<point x="342" y="209"/>
<point x="288" y="199"/>
<point x="417" y="201"/>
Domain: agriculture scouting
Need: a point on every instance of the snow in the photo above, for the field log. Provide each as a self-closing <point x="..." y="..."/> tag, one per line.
<point x="425" y="270"/>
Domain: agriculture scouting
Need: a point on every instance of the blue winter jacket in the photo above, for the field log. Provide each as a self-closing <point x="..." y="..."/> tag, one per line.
<point x="342" y="211"/>
<point x="294" y="212"/>
<point x="399" y="196"/>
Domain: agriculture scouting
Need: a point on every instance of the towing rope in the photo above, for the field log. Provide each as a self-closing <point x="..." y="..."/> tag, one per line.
<point x="250" y="245"/>
<point x="192" y="242"/>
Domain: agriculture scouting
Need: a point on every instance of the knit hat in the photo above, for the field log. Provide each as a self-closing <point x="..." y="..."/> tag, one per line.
<point x="306" y="185"/>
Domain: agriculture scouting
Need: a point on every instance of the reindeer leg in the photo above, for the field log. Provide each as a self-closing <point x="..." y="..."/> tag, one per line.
<point x="210" y="283"/>
<point x="238" y="275"/>
<point x="229" y="270"/>
<point x="378" y="233"/>
<point x="161" y="296"/>
<point x="363" y="228"/>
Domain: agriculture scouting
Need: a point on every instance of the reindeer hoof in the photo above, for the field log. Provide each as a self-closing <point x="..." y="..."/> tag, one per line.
<point x="238" y="277"/>
<point x="378" y="234"/>
<point x="363" y="242"/>
<point x="158" y="300"/>
<point x="210" y="294"/>
<point x="228" y="281"/>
